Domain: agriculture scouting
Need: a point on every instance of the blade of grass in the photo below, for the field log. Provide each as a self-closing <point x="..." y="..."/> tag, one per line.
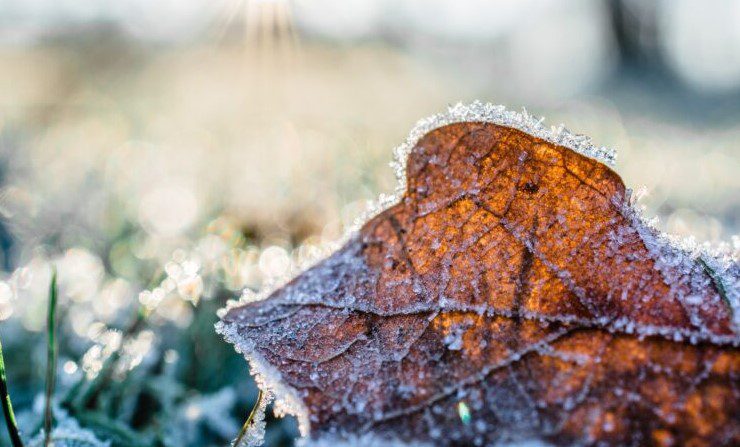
<point x="249" y="420"/>
<point x="51" y="357"/>
<point x="15" y="436"/>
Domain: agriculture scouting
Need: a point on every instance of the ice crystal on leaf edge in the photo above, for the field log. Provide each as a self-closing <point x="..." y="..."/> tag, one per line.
<point x="721" y="259"/>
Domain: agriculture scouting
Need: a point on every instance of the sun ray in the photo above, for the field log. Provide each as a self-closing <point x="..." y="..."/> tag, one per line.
<point x="267" y="26"/>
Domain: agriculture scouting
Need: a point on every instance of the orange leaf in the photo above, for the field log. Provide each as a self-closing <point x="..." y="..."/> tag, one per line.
<point x="511" y="293"/>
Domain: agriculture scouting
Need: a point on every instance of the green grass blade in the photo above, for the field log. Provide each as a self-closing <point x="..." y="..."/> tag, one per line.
<point x="15" y="436"/>
<point x="51" y="358"/>
<point x="249" y="420"/>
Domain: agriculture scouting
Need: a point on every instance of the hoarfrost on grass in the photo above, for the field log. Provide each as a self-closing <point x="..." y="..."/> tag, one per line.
<point x="68" y="433"/>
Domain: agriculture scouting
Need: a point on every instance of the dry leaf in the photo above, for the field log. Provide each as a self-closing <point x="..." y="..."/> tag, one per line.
<point x="512" y="293"/>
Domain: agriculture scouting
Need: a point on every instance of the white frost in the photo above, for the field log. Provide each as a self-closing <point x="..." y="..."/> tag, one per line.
<point x="68" y="433"/>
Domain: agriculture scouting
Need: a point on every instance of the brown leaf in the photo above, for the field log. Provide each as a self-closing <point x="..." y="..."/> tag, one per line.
<point x="512" y="293"/>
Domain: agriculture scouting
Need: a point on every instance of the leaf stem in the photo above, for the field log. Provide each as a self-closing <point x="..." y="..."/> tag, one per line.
<point x="51" y="358"/>
<point x="249" y="420"/>
<point x="15" y="436"/>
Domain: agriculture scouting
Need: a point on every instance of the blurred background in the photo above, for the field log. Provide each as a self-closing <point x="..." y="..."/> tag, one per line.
<point x="166" y="155"/>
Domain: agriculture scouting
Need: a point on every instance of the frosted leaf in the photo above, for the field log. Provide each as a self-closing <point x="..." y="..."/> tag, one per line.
<point x="512" y="276"/>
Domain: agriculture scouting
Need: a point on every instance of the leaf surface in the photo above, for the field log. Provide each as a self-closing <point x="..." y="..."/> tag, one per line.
<point x="512" y="293"/>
